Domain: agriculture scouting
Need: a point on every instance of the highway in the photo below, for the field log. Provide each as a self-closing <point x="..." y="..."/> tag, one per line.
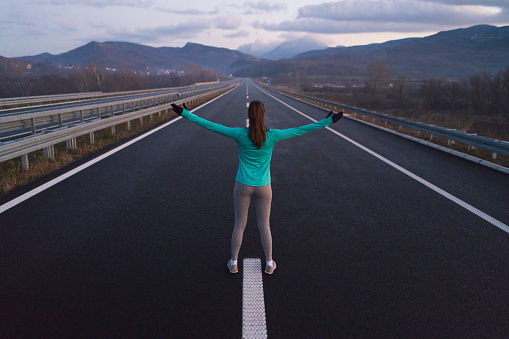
<point x="373" y="235"/>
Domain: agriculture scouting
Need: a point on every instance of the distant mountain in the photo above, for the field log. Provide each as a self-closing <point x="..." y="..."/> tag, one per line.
<point x="17" y="67"/>
<point x="44" y="57"/>
<point x="457" y="53"/>
<point x="285" y="50"/>
<point x="293" y="48"/>
<point x="129" y="56"/>
<point x="248" y="49"/>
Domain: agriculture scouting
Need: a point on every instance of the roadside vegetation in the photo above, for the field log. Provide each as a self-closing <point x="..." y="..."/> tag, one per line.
<point x="16" y="81"/>
<point x="478" y="104"/>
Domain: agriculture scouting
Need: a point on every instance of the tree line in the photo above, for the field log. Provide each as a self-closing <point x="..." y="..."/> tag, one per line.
<point x="18" y="82"/>
<point x="482" y="94"/>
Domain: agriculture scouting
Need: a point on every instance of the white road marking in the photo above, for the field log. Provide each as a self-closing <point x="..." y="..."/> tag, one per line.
<point x="247" y="122"/>
<point x="426" y="183"/>
<point x="253" y="304"/>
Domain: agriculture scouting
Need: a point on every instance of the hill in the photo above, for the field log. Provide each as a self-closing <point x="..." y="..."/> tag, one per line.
<point x="450" y="54"/>
<point x="129" y="56"/>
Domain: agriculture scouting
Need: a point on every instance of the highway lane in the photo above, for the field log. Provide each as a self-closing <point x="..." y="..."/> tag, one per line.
<point x="136" y="245"/>
<point x="485" y="189"/>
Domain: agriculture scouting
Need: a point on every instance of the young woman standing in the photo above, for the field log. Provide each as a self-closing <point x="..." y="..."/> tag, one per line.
<point x="255" y="144"/>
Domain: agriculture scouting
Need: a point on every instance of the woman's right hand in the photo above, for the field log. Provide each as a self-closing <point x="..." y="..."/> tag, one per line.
<point x="178" y="109"/>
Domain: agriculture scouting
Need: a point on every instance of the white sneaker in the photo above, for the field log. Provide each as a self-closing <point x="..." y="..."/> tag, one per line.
<point x="232" y="268"/>
<point x="270" y="269"/>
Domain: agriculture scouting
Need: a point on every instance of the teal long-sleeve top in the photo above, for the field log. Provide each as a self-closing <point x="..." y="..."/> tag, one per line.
<point x="254" y="163"/>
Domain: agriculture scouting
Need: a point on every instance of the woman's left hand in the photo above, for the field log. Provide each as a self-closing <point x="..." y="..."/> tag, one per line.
<point x="335" y="117"/>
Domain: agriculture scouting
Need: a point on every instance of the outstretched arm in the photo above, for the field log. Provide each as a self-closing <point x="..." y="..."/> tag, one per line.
<point x="231" y="132"/>
<point x="281" y="134"/>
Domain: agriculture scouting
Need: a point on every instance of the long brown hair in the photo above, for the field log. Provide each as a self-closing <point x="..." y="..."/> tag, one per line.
<point x="256" y="123"/>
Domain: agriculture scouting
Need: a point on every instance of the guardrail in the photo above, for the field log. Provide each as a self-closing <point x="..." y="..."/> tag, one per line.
<point x="49" y="99"/>
<point x="42" y="99"/>
<point x="72" y="124"/>
<point x="471" y="140"/>
<point x="18" y="125"/>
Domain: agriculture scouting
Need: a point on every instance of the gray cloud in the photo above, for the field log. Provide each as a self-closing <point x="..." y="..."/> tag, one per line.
<point x="239" y="34"/>
<point x="101" y="3"/>
<point x="227" y="22"/>
<point x="188" y="11"/>
<point x="494" y="3"/>
<point x="184" y="30"/>
<point x="314" y="25"/>
<point x="264" y="6"/>
<point x="389" y="16"/>
<point x="396" y="11"/>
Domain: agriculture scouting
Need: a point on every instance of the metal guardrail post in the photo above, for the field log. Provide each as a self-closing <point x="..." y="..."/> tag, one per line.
<point x="33" y="126"/>
<point x="71" y="144"/>
<point x="49" y="152"/>
<point x="25" y="166"/>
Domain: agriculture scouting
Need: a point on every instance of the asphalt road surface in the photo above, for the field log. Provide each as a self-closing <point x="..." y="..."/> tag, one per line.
<point x="136" y="244"/>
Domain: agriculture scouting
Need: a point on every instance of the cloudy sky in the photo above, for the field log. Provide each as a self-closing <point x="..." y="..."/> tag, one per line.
<point x="29" y="27"/>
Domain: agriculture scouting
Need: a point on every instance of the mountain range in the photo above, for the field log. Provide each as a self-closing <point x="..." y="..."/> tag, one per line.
<point x="130" y="56"/>
<point x="285" y="50"/>
<point x="450" y="54"/>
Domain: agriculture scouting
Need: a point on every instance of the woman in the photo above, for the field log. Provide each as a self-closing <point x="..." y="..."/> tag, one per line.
<point x="255" y="144"/>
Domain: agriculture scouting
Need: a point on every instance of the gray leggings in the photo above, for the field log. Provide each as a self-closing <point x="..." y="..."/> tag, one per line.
<point x="262" y="198"/>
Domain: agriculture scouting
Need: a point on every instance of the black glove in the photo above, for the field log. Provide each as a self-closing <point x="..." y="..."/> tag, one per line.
<point x="335" y="117"/>
<point x="178" y="109"/>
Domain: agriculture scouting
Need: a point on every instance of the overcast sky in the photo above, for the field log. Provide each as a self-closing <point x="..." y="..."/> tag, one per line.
<point x="29" y="27"/>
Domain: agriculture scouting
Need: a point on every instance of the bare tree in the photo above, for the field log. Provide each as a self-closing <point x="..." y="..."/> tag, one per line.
<point x="378" y="72"/>
<point x="453" y="93"/>
<point x="400" y="85"/>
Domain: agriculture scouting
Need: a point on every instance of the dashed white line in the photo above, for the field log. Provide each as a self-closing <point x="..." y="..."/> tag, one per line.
<point x="254" y="323"/>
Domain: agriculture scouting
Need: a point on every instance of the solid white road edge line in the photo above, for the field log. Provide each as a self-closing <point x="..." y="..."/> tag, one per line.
<point x="426" y="183"/>
<point x="253" y="304"/>
<point x="78" y="169"/>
